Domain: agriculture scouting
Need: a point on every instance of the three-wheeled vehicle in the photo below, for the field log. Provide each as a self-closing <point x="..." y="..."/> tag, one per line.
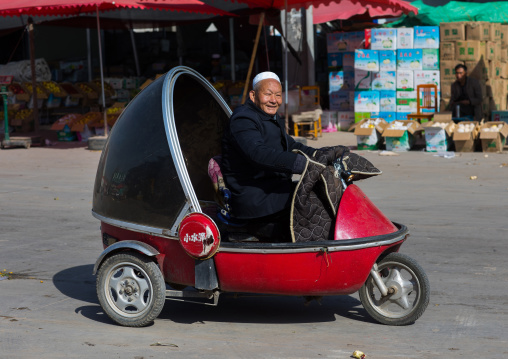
<point x="163" y="239"/>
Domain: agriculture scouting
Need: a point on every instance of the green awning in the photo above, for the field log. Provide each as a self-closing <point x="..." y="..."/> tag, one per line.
<point x="496" y="11"/>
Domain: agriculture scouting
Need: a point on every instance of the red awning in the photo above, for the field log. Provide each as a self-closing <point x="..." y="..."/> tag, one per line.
<point x="346" y="9"/>
<point x="72" y="8"/>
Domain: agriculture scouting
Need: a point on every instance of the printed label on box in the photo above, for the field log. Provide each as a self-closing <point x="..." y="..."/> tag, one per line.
<point x="337" y="42"/>
<point x="363" y="80"/>
<point x="425" y="77"/>
<point x="384" y="80"/>
<point x="348" y="61"/>
<point x="383" y="39"/>
<point x="387" y="101"/>
<point x="436" y="139"/>
<point x="356" y="40"/>
<point x="367" y="60"/>
<point x="387" y="60"/>
<point x="405" y="80"/>
<point x="405" y="38"/>
<point x="406" y="101"/>
<point x="341" y="101"/>
<point x="426" y="37"/>
<point x="430" y="59"/>
<point x="410" y="59"/>
<point x="340" y="81"/>
<point x="345" y="120"/>
<point x="335" y="62"/>
<point x="367" y="101"/>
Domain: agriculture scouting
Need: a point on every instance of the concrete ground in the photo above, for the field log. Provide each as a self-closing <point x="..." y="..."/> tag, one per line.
<point x="459" y="235"/>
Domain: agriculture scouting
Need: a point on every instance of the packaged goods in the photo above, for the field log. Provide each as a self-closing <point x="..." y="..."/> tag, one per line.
<point x="447" y="69"/>
<point x="430" y="59"/>
<point x="406" y="101"/>
<point x="478" y="69"/>
<point x="387" y="60"/>
<point x="387" y="101"/>
<point x="402" y="116"/>
<point x="405" y="38"/>
<point x="348" y="61"/>
<point x="360" y="116"/>
<point x="363" y="80"/>
<point x="387" y="116"/>
<point x="452" y="31"/>
<point x="465" y="136"/>
<point x="367" y="60"/>
<point x="340" y="81"/>
<point x="400" y="135"/>
<point x="368" y="133"/>
<point x="341" y="101"/>
<point x="493" y="50"/>
<point x="367" y="101"/>
<point x="356" y="41"/>
<point x="499" y="116"/>
<point x="337" y="42"/>
<point x="410" y="59"/>
<point x="426" y="37"/>
<point x="469" y="50"/>
<point x="493" y="136"/>
<point x="495" y="32"/>
<point x="383" y="39"/>
<point x="405" y="80"/>
<point x="447" y="51"/>
<point x="495" y="69"/>
<point x="478" y="30"/>
<point x="438" y="133"/>
<point x="504" y="36"/>
<point x="426" y="77"/>
<point x="345" y="120"/>
<point x="335" y="62"/>
<point x="384" y="80"/>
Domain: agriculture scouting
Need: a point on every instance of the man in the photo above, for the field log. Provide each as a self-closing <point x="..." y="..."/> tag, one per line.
<point x="467" y="94"/>
<point x="257" y="158"/>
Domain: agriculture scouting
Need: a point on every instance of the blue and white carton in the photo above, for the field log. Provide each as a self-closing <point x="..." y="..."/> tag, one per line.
<point x="348" y="61"/>
<point x="387" y="60"/>
<point x="426" y="37"/>
<point x="387" y="101"/>
<point x="337" y="42"/>
<point x="340" y="81"/>
<point x="405" y="38"/>
<point x="384" y="80"/>
<point x="367" y="60"/>
<point x="410" y="59"/>
<point x="342" y="101"/>
<point x="335" y="62"/>
<point x="363" y="80"/>
<point x="405" y="80"/>
<point x="383" y="39"/>
<point x="366" y="101"/>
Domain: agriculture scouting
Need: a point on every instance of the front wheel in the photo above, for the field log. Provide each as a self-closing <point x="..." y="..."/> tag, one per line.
<point x="131" y="289"/>
<point x="409" y="291"/>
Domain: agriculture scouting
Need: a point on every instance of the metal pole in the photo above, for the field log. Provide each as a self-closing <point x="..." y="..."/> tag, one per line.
<point x="6" y="113"/>
<point x="34" y="75"/>
<point x="286" y="105"/>
<point x="89" y="54"/>
<point x="253" y="56"/>
<point x="102" y="74"/>
<point x="134" y="49"/>
<point x="232" y="49"/>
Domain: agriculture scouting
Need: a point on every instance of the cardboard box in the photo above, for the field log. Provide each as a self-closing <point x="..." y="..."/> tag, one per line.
<point x="495" y="69"/>
<point x="493" y="141"/>
<point x="367" y="101"/>
<point x="342" y="101"/>
<point x="345" y="119"/>
<point x="387" y="116"/>
<point x="387" y="101"/>
<point x="504" y="71"/>
<point x="478" y="69"/>
<point x="19" y="92"/>
<point x="383" y="39"/>
<point x="504" y="36"/>
<point x="493" y="50"/>
<point x="387" y="60"/>
<point x="405" y="80"/>
<point x="348" y="61"/>
<point x="356" y="40"/>
<point x="363" y="80"/>
<point x="337" y="42"/>
<point x="406" y="101"/>
<point x="367" y="60"/>
<point x="402" y="116"/>
<point x="447" y="70"/>
<point x="426" y="37"/>
<point x="340" y="81"/>
<point x="368" y="133"/>
<point x="405" y="37"/>
<point x="401" y="138"/>
<point x="446" y="89"/>
<point x="452" y="31"/>
<point x="426" y="77"/>
<point x="478" y="30"/>
<point x="447" y="51"/>
<point x="334" y="62"/>
<point x="384" y="80"/>
<point x="466" y="141"/>
<point x="443" y="103"/>
<point x="495" y="32"/>
<point x="469" y="50"/>
<point x="410" y="59"/>
<point x="430" y="59"/>
<point x="499" y="116"/>
<point x="437" y="138"/>
<point x="504" y="54"/>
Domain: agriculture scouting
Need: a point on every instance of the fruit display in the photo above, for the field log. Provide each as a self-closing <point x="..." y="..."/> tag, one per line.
<point x="87" y="119"/>
<point x="370" y="123"/>
<point x="493" y="128"/>
<point x="41" y="93"/>
<point x="19" y="92"/>
<point x="54" y="88"/>
<point x="87" y="90"/>
<point x="109" y="91"/>
<point x="24" y="114"/>
<point x="466" y="127"/>
<point x="71" y="90"/>
<point x="67" y="120"/>
<point x="114" y="110"/>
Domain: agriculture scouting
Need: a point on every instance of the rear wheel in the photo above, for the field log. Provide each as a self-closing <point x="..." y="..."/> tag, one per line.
<point x="409" y="291"/>
<point x="131" y="289"/>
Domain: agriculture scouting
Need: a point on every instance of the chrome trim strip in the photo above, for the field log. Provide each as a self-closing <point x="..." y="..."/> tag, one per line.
<point x="172" y="134"/>
<point x="317" y="248"/>
<point x="132" y="226"/>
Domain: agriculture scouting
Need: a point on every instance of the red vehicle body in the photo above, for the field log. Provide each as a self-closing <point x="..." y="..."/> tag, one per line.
<point x="143" y="248"/>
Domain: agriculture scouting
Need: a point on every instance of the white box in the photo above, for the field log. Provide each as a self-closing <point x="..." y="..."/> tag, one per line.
<point x="348" y="61"/>
<point x="363" y="80"/>
<point x="406" y="101"/>
<point x="405" y="37"/>
<point x="427" y="77"/>
<point x="384" y="81"/>
<point x="367" y="60"/>
<point x="387" y="60"/>
<point x="383" y="39"/>
<point x="387" y="101"/>
<point x="426" y="37"/>
<point x="405" y="80"/>
<point x="366" y="101"/>
<point x="430" y="59"/>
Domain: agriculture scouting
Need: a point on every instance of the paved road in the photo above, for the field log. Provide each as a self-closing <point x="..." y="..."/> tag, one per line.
<point x="49" y="240"/>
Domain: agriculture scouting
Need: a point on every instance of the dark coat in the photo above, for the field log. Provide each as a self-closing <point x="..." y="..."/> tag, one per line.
<point x="474" y="92"/>
<point x="257" y="162"/>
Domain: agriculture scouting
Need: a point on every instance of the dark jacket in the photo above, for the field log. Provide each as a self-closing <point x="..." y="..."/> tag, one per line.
<point x="474" y="92"/>
<point x="257" y="162"/>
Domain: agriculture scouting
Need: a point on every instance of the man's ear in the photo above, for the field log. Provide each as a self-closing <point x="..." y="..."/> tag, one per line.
<point x="252" y="95"/>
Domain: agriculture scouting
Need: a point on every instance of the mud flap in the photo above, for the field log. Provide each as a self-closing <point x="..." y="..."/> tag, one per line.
<point x="205" y="275"/>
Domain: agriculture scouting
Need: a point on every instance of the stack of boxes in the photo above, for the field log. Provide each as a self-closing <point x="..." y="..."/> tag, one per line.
<point x="483" y="48"/>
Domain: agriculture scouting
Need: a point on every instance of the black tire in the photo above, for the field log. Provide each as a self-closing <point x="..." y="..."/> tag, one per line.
<point x="131" y="289"/>
<point x="411" y="296"/>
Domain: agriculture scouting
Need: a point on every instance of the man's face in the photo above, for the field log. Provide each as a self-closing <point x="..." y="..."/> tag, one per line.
<point x="460" y="74"/>
<point x="268" y="97"/>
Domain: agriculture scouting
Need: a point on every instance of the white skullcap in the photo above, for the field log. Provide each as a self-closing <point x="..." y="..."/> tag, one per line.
<point x="263" y="76"/>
